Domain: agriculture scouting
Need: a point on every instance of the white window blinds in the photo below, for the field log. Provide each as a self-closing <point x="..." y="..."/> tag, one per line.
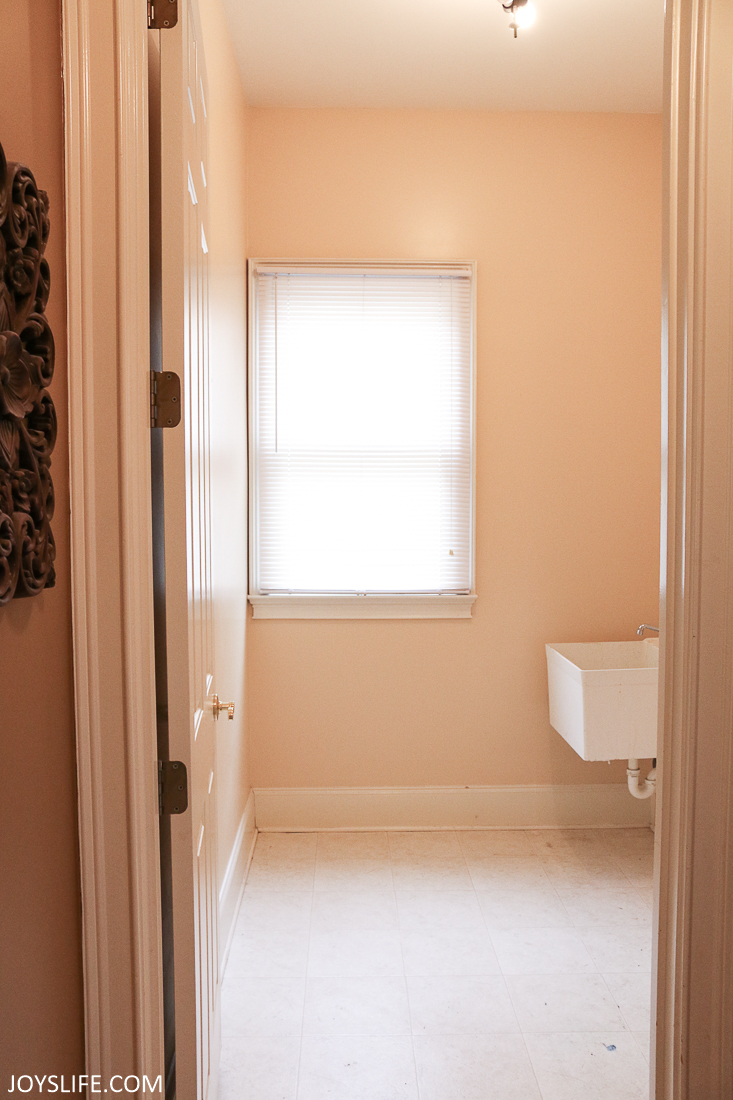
<point x="362" y="430"/>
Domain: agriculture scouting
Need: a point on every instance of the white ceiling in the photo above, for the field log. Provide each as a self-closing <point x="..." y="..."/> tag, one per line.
<point x="580" y="55"/>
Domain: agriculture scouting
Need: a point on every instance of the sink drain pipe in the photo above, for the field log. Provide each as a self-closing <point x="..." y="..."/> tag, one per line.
<point x="647" y="787"/>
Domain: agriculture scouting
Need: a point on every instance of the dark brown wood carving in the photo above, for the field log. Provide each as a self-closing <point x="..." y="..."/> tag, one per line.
<point x="27" y="415"/>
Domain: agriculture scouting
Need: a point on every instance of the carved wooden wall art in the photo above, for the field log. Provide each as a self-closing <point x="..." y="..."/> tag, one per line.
<point x="27" y="415"/>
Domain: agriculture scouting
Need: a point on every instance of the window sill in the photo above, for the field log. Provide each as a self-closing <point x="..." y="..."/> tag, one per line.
<point x="417" y="606"/>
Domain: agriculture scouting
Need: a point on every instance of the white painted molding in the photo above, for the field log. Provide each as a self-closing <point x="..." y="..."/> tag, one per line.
<point x="76" y="35"/>
<point x="235" y="876"/>
<point x="105" y="94"/>
<point x="587" y="806"/>
<point x="246" y="826"/>
<point x="694" y="903"/>
<point x="136" y="543"/>
<point x="408" y="606"/>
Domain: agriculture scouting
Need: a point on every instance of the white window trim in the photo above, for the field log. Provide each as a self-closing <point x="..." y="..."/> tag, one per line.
<point x="412" y="605"/>
<point x="296" y="605"/>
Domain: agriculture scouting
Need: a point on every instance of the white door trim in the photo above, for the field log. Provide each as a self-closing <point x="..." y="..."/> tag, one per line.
<point x="694" y="960"/>
<point x="105" y="92"/>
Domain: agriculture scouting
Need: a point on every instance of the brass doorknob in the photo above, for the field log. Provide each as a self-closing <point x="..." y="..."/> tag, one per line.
<point x="219" y="706"/>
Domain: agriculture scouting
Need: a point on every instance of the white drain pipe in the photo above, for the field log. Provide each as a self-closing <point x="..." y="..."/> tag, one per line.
<point x="641" y="790"/>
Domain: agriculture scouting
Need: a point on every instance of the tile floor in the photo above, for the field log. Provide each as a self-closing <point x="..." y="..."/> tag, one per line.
<point x="441" y="966"/>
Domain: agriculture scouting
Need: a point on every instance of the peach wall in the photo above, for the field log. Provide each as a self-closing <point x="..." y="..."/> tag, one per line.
<point x="41" y="1011"/>
<point x="562" y="213"/>
<point x="227" y="116"/>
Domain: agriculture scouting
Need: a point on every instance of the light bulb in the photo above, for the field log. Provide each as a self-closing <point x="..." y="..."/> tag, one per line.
<point x="525" y="16"/>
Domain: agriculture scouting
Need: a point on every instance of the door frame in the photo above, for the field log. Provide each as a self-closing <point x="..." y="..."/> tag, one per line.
<point x="694" y="888"/>
<point x="105" y="75"/>
<point x="106" y="174"/>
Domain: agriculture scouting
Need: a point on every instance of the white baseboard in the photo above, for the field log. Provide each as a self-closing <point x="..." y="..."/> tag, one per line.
<point x="568" y="806"/>
<point x="235" y="876"/>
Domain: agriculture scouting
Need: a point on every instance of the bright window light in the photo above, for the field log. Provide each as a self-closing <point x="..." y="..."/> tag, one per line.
<point x="361" y="419"/>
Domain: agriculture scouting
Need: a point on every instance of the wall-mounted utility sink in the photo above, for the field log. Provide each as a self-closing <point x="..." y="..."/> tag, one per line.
<point x="603" y="697"/>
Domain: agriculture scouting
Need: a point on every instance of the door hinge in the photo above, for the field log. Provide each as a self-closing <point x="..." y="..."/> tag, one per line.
<point x="162" y="14"/>
<point x="165" y="399"/>
<point x="172" y="787"/>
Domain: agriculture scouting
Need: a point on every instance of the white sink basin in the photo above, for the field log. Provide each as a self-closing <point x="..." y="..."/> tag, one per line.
<point x="603" y="697"/>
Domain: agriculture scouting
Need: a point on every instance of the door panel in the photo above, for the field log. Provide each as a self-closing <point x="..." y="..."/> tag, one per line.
<point x="158" y="531"/>
<point x="186" y="532"/>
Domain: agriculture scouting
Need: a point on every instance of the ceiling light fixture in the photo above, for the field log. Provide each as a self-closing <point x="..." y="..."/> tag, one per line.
<point x="523" y="14"/>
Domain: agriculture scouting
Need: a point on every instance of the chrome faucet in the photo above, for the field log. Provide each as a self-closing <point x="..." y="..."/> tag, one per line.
<point x="646" y="626"/>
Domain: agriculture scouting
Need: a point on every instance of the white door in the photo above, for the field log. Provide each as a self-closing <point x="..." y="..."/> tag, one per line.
<point x="189" y="636"/>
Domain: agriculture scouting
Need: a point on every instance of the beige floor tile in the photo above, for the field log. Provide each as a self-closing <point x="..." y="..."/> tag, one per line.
<point x="297" y="875"/>
<point x="619" y="950"/>
<point x="261" y="1006"/>
<point x="276" y="859"/>
<point x="353" y="845"/>
<point x="578" y="1066"/>
<point x="637" y="866"/>
<point x="356" y="1006"/>
<point x="439" y="911"/>
<point x="571" y="873"/>
<point x="581" y="842"/>
<point x="355" y="954"/>
<point x="644" y="1040"/>
<point x="474" y="1067"/>
<point x="505" y="873"/>
<point x="633" y="995"/>
<point x="595" y="906"/>
<point x="266" y="954"/>
<point x="428" y="843"/>
<point x="357" y="910"/>
<point x="523" y="908"/>
<point x="357" y="1068"/>
<point x="542" y="951"/>
<point x="495" y="842"/>
<point x="565" y="878"/>
<point x="630" y="840"/>
<point x="609" y="836"/>
<point x="460" y="1006"/>
<point x="646" y="893"/>
<point x="260" y="1069"/>
<point x="589" y="855"/>
<point x="350" y="875"/>
<point x="294" y="844"/>
<point x="450" y="952"/>
<point x="284" y="856"/>
<point x="564" y="1002"/>
<point x="430" y="873"/>
<point x="462" y="938"/>
<point x="274" y="911"/>
<point x="442" y="860"/>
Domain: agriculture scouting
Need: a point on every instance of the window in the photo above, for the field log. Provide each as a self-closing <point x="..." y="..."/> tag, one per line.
<point x="361" y="439"/>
